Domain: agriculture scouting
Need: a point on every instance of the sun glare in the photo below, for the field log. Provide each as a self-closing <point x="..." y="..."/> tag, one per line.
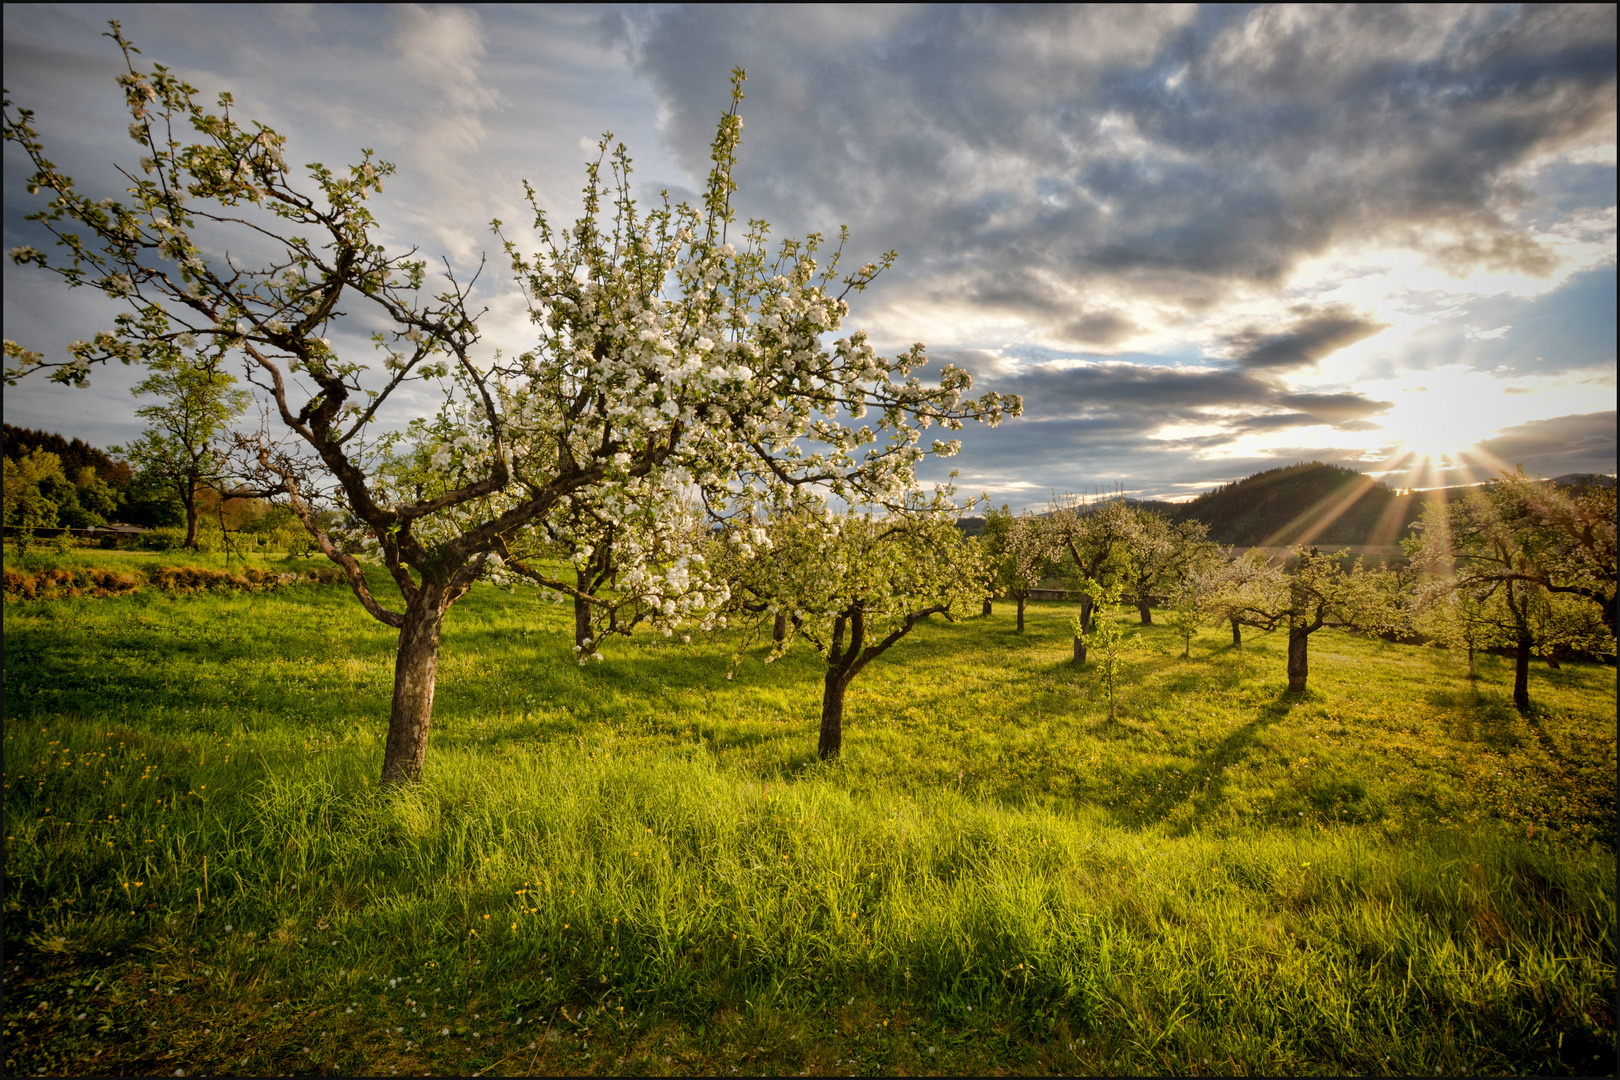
<point x="1447" y="412"/>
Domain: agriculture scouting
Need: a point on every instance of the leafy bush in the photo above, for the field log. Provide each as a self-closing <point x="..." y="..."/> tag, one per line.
<point x="163" y="539"/>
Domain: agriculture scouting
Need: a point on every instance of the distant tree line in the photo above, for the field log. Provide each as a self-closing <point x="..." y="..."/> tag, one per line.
<point x="52" y="482"/>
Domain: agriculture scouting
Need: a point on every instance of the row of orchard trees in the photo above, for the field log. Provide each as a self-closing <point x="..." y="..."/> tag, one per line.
<point x="1518" y="564"/>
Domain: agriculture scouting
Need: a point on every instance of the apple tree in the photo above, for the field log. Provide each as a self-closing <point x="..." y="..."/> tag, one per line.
<point x="1522" y="564"/>
<point x="851" y="584"/>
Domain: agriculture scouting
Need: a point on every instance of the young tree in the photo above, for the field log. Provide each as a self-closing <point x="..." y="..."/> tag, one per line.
<point x="1018" y="554"/>
<point x="1097" y="537"/>
<point x="1029" y="558"/>
<point x="1162" y="555"/>
<point x="1532" y="568"/>
<point x="1245" y="591"/>
<point x="993" y="550"/>
<point x="1106" y="637"/>
<point x="1315" y="591"/>
<point x="185" y="445"/>
<point x="852" y="585"/>
<point x="1194" y="590"/>
<point x="663" y="351"/>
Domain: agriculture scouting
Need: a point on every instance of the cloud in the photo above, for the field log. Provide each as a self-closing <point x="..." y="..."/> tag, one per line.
<point x="296" y="19"/>
<point x="443" y="52"/>
<point x="1335" y="408"/>
<point x="1312" y="337"/>
<point x="1580" y="442"/>
<point x="1100" y="193"/>
<point x="1140" y="397"/>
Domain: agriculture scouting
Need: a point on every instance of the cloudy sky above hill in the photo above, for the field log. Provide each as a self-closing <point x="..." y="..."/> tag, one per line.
<point x="1200" y="240"/>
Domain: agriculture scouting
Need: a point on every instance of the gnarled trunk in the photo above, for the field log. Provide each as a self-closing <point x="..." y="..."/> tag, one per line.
<point x="1147" y="614"/>
<point x="416" y="669"/>
<point x="1085" y="614"/>
<point x="779" y="627"/>
<point x="1020" y="614"/>
<point x="1521" y="674"/>
<point x="832" y="715"/>
<point x="1237" y="634"/>
<point x="1299" y="640"/>
<point x="988" y="610"/>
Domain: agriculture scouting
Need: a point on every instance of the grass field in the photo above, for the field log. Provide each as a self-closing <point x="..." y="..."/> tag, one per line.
<point x="638" y="866"/>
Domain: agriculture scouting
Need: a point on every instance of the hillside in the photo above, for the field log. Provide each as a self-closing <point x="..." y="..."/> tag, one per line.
<point x="1305" y="502"/>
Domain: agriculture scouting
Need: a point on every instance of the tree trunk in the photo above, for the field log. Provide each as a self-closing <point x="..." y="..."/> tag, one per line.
<point x="582" y="620"/>
<point x="779" y="628"/>
<point x="1020" y="614"/>
<point x="1237" y="634"/>
<point x="832" y="716"/>
<point x="1147" y="615"/>
<point x="416" y="669"/>
<point x="1085" y="613"/>
<point x="189" y="499"/>
<point x="987" y="607"/>
<point x="1299" y="640"/>
<point x="1521" y="675"/>
<point x="1079" y="650"/>
<point x="1472" y="674"/>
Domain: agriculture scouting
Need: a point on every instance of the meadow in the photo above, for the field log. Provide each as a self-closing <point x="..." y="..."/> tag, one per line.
<point x="639" y="866"/>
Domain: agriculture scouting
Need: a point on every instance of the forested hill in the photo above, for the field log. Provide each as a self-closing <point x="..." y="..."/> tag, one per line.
<point x="1309" y="502"/>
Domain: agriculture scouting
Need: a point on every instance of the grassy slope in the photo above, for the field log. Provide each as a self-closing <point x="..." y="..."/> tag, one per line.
<point x="1392" y="873"/>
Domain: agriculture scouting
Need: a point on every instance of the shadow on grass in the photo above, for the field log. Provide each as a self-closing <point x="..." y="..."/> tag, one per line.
<point x="1479" y="716"/>
<point x="1203" y="785"/>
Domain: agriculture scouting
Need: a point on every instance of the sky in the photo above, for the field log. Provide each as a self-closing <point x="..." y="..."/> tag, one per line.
<point x="1201" y="241"/>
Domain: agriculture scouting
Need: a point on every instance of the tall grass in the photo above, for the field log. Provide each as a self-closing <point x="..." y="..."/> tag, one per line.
<point x="649" y="863"/>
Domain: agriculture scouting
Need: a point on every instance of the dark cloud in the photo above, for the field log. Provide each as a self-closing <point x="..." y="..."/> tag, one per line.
<point x="1310" y="338"/>
<point x="1008" y="150"/>
<point x="1098" y="330"/>
<point x="1151" y="395"/>
<point x="1334" y="408"/>
<point x="1581" y="442"/>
